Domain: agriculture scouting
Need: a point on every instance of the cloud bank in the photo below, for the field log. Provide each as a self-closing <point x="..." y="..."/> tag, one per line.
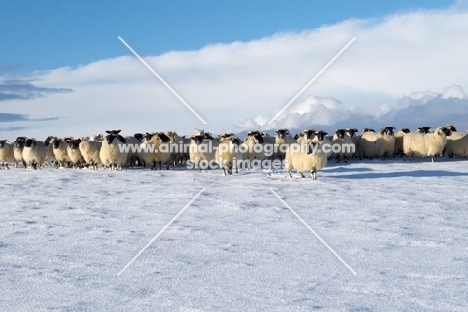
<point x="242" y="85"/>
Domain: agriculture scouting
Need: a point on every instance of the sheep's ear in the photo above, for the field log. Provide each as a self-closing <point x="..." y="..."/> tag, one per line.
<point x="109" y="132"/>
<point x="287" y="132"/>
<point x="277" y="130"/>
<point x="121" y="138"/>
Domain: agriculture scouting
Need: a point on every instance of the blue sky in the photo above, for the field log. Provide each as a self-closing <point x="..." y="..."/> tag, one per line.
<point x="50" y="34"/>
<point x="64" y="72"/>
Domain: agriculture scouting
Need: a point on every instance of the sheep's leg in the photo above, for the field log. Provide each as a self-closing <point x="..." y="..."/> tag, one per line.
<point x="24" y="164"/>
<point x="313" y="174"/>
<point x="302" y="175"/>
<point x="230" y="169"/>
<point x="290" y="174"/>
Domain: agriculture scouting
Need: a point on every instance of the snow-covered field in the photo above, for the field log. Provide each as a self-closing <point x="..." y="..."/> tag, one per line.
<point x="403" y="227"/>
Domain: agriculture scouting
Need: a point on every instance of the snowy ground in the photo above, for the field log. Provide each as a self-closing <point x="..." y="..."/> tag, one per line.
<point x="403" y="227"/>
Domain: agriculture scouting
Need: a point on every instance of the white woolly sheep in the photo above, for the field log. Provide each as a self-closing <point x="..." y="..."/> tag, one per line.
<point x="398" y="147"/>
<point x="60" y="150"/>
<point x="176" y="147"/>
<point x="49" y="146"/>
<point x="90" y="150"/>
<point x="18" y="147"/>
<point x="305" y="157"/>
<point x="345" y="143"/>
<point x="112" y="154"/>
<point x="252" y="147"/>
<point x="228" y="154"/>
<point x="155" y="150"/>
<point x="369" y="145"/>
<point x="282" y="141"/>
<point x="6" y="154"/>
<point x="203" y="150"/>
<point x="351" y="132"/>
<point x="74" y="153"/>
<point x="387" y="142"/>
<point x="423" y="145"/>
<point x="454" y="147"/>
<point x="34" y="153"/>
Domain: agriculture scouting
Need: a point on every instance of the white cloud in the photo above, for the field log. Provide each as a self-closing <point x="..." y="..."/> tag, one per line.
<point x="228" y="83"/>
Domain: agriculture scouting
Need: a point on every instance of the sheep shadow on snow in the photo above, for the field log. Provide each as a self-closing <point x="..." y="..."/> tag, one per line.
<point x="400" y="174"/>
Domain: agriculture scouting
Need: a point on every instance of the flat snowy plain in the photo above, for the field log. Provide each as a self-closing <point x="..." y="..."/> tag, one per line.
<point x="402" y="226"/>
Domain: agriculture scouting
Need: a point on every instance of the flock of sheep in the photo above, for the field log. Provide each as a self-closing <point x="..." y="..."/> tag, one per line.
<point x="307" y="151"/>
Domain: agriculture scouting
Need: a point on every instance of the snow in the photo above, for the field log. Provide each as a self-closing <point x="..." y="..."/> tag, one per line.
<point x="402" y="226"/>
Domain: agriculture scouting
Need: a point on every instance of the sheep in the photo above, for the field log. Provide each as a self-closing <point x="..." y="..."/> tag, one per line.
<point x="34" y="153"/>
<point x="369" y="145"/>
<point x="282" y="140"/>
<point x="252" y="147"/>
<point x="176" y="148"/>
<point x="74" y="153"/>
<point x="48" y="144"/>
<point x="60" y="150"/>
<point x="18" y="147"/>
<point x="354" y="138"/>
<point x="155" y="150"/>
<point x="203" y="149"/>
<point x="133" y="153"/>
<point x="398" y="147"/>
<point x="305" y="157"/>
<point x="387" y="142"/>
<point x="90" y="150"/>
<point x="6" y="153"/>
<point x="269" y="146"/>
<point x="228" y="154"/>
<point x="429" y="144"/>
<point x="111" y="154"/>
<point x="340" y="137"/>
<point x="456" y="145"/>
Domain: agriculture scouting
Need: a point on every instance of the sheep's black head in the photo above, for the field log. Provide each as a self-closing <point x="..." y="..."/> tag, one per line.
<point x="112" y="137"/>
<point x="340" y="133"/>
<point x="74" y="144"/>
<point x="258" y="136"/>
<point x="424" y="130"/>
<point x="164" y="138"/>
<point x="30" y="143"/>
<point x="57" y="142"/>
<point x="446" y="131"/>
<point x="208" y="136"/>
<point x="281" y="133"/>
<point x="405" y="130"/>
<point x="139" y="136"/>
<point x="368" y="130"/>
<point x="451" y="128"/>
<point x="50" y="139"/>
<point x="351" y="131"/>
<point x="2" y="143"/>
<point x="198" y="139"/>
<point x="19" y="143"/>
<point x="387" y="130"/>
<point x="320" y="135"/>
